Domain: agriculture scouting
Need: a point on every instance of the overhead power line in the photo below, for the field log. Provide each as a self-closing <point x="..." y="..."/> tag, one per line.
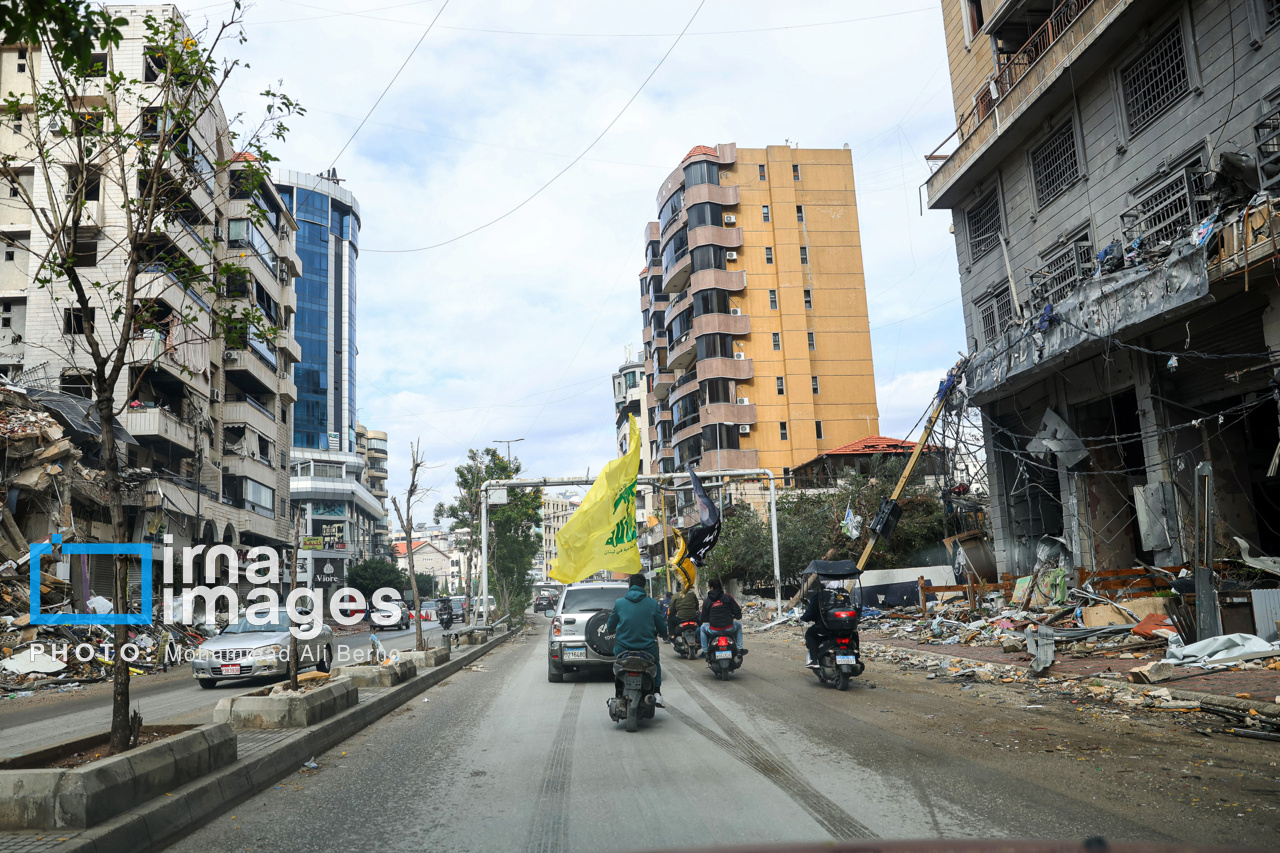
<point x="572" y="163"/>
<point x="391" y="83"/>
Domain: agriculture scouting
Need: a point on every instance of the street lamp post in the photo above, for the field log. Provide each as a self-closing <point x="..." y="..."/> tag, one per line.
<point x="508" y="443"/>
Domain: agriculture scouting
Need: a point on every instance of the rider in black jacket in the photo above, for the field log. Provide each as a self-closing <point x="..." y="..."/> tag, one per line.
<point x="719" y="612"/>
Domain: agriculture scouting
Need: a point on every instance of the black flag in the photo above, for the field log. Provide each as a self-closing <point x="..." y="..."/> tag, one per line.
<point x="704" y="536"/>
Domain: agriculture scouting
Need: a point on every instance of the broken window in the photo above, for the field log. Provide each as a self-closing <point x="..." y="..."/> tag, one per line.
<point x="97" y="65"/>
<point x="1054" y="167"/>
<point x="1156" y="80"/>
<point x="1168" y="211"/>
<point x="973" y="18"/>
<point x="1063" y="272"/>
<point x="76" y="384"/>
<point x="983" y="224"/>
<point x="73" y="321"/>
<point x="85" y="254"/>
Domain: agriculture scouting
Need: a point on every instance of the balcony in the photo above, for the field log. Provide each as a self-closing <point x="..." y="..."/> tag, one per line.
<point x="726" y="368"/>
<point x="259" y="468"/>
<point x="683" y="352"/>
<point x="687" y="384"/>
<point x="662" y="382"/>
<point x="731" y="280"/>
<point x="723" y="196"/>
<point x="243" y="409"/>
<point x="250" y="371"/>
<point x="675" y="278"/>
<point x="713" y="235"/>
<point x="154" y="427"/>
<point x="727" y="324"/>
<point x="688" y="432"/>
<point x="730" y="460"/>
<point x="1011" y="102"/>
<point x="728" y="413"/>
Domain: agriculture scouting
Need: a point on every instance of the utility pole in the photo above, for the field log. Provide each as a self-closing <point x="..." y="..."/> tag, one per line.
<point x="508" y="443"/>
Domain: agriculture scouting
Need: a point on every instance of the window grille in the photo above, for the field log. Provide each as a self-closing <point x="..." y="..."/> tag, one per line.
<point x="1167" y="213"/>
<point x="996" y="314"/>
<point x="1054" y="166"/>
<point x="1156" y="80"/>
<point x="1271" y="11"/>
<point x="1267" y="133"/>
<point x="983" y="221"/>
<point x="1064" y="272"/>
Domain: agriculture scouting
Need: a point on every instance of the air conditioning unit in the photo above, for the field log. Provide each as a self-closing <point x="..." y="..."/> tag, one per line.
<point x="740" y="355"/>
<point x="743" y="401"/>
<point x="284" y="273"/>
<point x="744" y="429"/>
<point x="735" y="311"/>
<point x="216" y="395"/>
<point x="730" y="219"/>
<point x="231" y="356"/>
<point x="730" y="256"/>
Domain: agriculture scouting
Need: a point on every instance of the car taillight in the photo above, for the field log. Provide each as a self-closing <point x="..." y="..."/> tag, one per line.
<point x="722" y="642"/>
<point x="846" y="614"/>
<point x="555" y="627"/>
<point x="842" y="641"/>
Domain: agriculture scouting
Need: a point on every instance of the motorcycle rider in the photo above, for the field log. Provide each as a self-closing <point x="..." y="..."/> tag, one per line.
<point x="719" y="612"/>
<point x="444" y="609"/>
<point x="818" y="632"/>
<point x="636" y="625"/>
<point x="683" y="608"/>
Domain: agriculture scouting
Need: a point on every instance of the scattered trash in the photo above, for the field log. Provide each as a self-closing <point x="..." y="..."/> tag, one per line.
<point x="310" y="764"/>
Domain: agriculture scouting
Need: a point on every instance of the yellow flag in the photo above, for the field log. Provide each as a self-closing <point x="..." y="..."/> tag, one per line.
<point x="600" y="536"/>
<point x="688" y="572"/>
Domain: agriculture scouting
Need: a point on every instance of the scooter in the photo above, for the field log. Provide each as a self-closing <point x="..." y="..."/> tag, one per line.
<point x="839" y="656"/>
<point x="685" y="640"/>
<point x="633" y="674"/>
<point x="723" y="654"/>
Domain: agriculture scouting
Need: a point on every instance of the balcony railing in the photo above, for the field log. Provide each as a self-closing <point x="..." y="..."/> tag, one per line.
<point x="252" y="401"/>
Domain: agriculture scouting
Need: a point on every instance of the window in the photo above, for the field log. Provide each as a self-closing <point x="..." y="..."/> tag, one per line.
<point x="782" y="431"/>
<point x="762" y="171"/>
<point x="707" y="258"/>
<point x="795" y="171"/>
<point x="973" y="20"/>
<point x="765" y="211"/>
<point x="983" y="224"/>
<point x="22" y="68"/>
<point x="777" y="341"/>
<point x="97" y="65"/>
<point x="782" y="389"/>
<point x="799" y="213"/>
<point x="768" y="254"/>
<point x="6" y="307"/>
<point x="707" y="213"/>
<point x="13" y="190"/>
<point x="85" y="254"/>
<point x="813" y="380"/>
<point x="1053" y="165"/>
<point x="76" y="384"/>
<point x="804" y="255"/>
<point x="817" y="428"/>
<point x="1271" y="13"/>
<point x="716" y="391"/>
<point x="714" y="346"/>
<point x="786" y="476"/>
<point x="1156" y="80"/>
<point x="73" y="321"/>
<point x="808" y="294"/>
<point x="631" y="379"/>
<point x="8" y="254"/>
<point x="6" y="322"/>
<point x="670" y="208"/>
<point x="702" y="172"/>
<point x="811" y="345"/>
<point x="997" y="314"/>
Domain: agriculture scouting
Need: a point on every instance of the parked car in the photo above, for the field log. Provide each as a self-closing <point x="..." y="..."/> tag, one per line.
<point x="243" y="650"/>
<point x="577" y="640"/>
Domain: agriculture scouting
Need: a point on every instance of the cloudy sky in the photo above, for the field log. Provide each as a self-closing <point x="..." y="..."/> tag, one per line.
<point x="514" y="331"/>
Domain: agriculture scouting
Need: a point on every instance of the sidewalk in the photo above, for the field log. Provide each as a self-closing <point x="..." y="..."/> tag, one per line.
<point x="1262" y="684"/>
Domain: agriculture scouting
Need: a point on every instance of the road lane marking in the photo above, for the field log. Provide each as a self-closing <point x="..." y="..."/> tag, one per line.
<point x="835" y="820"/>
<point x="550" y="830"/>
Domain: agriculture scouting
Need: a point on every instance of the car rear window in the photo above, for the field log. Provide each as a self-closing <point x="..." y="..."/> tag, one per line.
<point x="582" y="600"/>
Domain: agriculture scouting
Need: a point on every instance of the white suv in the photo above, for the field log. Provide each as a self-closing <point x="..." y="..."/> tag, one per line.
<point x="578" y="640"/>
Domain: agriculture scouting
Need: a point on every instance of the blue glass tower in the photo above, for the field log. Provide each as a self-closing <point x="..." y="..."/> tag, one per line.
<point x="324" y="417"/>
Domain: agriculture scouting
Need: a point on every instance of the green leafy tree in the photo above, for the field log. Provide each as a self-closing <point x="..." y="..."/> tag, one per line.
<point x="68" y="30"/>
<point x="368" y="576"/>
<point x="514" y="541"/>
<point x="106" y="159"/>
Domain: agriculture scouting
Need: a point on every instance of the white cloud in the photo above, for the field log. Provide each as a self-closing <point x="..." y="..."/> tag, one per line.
<point x="513" y="332"/>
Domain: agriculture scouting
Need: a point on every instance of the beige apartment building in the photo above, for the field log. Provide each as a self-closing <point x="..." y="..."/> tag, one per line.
<point x="757" y="345"/>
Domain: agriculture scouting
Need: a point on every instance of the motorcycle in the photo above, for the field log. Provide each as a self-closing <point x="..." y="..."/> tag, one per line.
<point x="446" y="618"/>
<point x="723" y="654"/>
<point x="633" y="701"/>
<point x="839" y="655"/>
<point x="685" y="640"/>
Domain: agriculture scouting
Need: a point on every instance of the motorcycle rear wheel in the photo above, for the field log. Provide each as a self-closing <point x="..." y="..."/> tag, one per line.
<point x="842" y="681"/>
<point x="633" y="716"/>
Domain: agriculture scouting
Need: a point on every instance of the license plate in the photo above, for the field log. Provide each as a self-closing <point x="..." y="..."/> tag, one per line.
<point x="575" y="654"/>
<point x="842" y="660"/>
<point x="231" y="669"/>
<point x="723" y="655"/>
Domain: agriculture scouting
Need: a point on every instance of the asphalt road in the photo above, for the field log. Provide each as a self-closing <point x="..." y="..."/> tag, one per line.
<point x="42" y="720"/>
<point x="497" y="758"/>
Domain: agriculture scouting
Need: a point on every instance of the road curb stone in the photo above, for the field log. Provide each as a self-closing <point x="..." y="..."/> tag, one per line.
<point x="166" y="818"/>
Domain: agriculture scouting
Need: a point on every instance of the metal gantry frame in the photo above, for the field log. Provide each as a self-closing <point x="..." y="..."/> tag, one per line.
<point x="714" y="478"/>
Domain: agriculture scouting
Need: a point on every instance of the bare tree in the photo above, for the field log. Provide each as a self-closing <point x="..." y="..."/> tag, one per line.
<point x="116" y="175"/>
<point x="405" y="516"/>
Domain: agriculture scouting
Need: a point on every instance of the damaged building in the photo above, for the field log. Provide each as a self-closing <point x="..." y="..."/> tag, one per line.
<point x="204" y="430"/>
<point x="1114" y="182"/>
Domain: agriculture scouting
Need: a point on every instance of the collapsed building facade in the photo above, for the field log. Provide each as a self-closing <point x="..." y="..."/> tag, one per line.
<point x="204" y="430"/>
<point x="1114" y="181"/>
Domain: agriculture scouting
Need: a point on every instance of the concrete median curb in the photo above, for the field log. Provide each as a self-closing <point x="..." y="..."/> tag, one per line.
<point x="161" y="821"/>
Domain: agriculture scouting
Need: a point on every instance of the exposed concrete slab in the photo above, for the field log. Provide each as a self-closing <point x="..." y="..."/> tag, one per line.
<point x="287" y="710"/>
<point x="389" y="675"/>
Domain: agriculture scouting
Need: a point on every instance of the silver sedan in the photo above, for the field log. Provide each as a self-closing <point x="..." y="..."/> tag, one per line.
<point x="244" y="650"/>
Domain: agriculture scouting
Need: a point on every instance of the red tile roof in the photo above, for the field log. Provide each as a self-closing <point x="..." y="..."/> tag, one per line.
<point x="700" y="149"/>
<point x="244" y="157"/>
<point x="875" y="444"/>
